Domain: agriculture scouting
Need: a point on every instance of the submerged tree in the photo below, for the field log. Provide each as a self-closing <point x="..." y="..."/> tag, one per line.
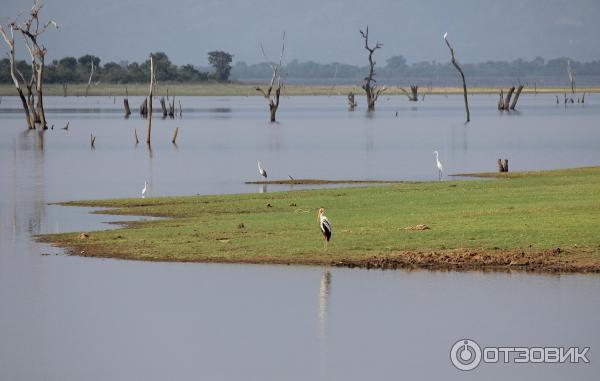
<point x="273" y="99"/>
<point x="462" y="76"/>
<point x="370" y="84"/>
<point x="30" y="30"/>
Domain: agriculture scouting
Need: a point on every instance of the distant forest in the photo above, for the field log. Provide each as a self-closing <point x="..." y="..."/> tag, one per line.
<point x="396" y="71"/>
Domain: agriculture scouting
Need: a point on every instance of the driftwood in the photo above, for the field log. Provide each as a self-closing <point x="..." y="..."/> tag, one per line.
<point x="273" y="99"/>
<point x="413" y="96"/>
<point x="462" y="76"/>
<point x="149" y="129"/>
<point x="351" y="101"/>
<point x="369" y="83"/>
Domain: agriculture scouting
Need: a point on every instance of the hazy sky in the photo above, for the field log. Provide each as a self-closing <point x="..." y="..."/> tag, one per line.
<point x="319" y="30"/>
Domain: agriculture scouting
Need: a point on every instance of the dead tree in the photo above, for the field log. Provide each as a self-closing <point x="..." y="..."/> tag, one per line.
<point x="17" y="81"/>
<point x="571" y="76"/>
<point x="351" y="102"/>
<point x="163" y="107"/>
<point x="516" y="98"/>
<point x="31" y="30"/>
<point x="413" y="96"/>
<point x="126" y="104"/>
<point x="462" y="76"/>
<point x="369" y="83"/>
<point x="273" y="99"/>
<point x="149" y="108"/>
<point x="87" y="88"/>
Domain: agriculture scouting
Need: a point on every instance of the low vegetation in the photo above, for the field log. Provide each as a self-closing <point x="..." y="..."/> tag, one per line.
<point x="542" y="221"/>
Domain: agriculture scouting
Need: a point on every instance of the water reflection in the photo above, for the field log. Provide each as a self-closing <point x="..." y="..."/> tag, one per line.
<point x="324" y="295"/>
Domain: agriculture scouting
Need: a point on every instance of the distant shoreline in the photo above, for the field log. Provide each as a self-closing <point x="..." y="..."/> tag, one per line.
<point x="248" y="89"/>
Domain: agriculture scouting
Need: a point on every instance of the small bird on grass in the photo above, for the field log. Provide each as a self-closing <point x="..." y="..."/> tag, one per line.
<point x="261" y="170"/>
<point x="325" y="226"/>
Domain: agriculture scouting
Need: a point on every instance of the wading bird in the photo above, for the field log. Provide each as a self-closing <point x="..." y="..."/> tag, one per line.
<point x="145" y="189"/>
<point x="325" y="226"/>
<point x="261" y="170"/>
<point x="439" y="165"/>
<point x="66" y="127"/>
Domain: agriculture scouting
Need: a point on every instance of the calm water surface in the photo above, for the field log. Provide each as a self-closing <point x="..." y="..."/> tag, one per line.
<point x="69" y="318"/>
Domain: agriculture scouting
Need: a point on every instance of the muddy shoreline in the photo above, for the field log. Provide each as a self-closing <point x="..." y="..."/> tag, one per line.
<point x="549" y="261"/>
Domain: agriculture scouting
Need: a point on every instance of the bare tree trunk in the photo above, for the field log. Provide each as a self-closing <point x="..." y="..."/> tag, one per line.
<point x="144" y="108"/>
<point x="413" y="96"/>
<point x="516" y="98"/>
<point x="163" y="107"/>
<point x="150" y="100"/>
<point x="370" y="84"/>
<point x="126" y="104"/>
<point x="501" y="102"/>
<point x="87" y="88"/>
<point x="508" y="96"/>
<point x="175" y="135"/>
<point x="10" y="42"/>
<point x="351" y="101"/>
<point x="272" y="100"/>
<point x="571" y="77"/>
<point x="462" y="76"/>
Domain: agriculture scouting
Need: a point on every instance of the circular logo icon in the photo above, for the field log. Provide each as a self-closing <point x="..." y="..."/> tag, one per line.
<point x="465" y="354"/>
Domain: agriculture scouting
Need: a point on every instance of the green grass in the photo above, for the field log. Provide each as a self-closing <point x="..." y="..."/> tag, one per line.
<point x="531" y="212"/>
<point x="245" y="89"/>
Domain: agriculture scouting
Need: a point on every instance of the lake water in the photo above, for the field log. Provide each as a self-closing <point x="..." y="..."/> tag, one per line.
<point x="70" y="318"/>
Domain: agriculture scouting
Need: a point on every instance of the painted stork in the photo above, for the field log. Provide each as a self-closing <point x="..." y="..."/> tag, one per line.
<point x="145" y="189"/>
<point x="439" y="165"/>
<point x="261" y="170"/>
<point x="325" y="226"/>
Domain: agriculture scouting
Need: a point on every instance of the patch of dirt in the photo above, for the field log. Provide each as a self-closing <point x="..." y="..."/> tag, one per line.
<point x="417" y="227"/>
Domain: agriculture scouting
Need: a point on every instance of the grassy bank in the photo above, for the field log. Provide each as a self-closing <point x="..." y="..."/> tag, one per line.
<point x="237" y="89"/>
<point x="543" y="221"/>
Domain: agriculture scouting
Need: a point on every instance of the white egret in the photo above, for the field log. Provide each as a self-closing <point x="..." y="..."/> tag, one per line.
<point x="445" y="35"/>
<point x="325" y="226"/>
<point x="439" y="165"/>
<point x="261" y="170"/>
<point x="145" y="189"/>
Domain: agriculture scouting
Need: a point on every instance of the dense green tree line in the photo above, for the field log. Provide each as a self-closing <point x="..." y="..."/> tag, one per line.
<point x="77" y="70"/>
<point x="398" y="67"/>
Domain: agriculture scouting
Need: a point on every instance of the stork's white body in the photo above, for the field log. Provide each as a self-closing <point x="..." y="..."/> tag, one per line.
<point x="325" y="226"/>
<point x="261" y="170"/>
<point x="145" y="189"/>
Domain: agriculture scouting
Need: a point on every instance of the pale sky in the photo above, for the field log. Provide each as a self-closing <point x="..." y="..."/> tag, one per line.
<point x="320" y="30"/>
